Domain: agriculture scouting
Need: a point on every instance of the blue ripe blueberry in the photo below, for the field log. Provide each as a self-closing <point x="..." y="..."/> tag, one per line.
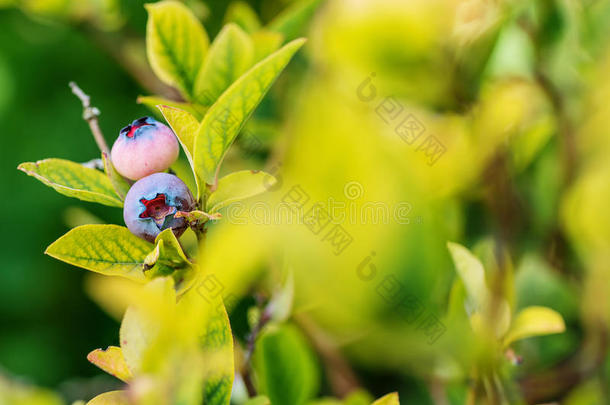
<point x="144" y="147"/>
<point x="151" y="203"/>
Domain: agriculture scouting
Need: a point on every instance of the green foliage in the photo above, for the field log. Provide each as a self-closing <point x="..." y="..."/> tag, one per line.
<point x="229" y="57"/>
<point x="513" y="95"/>
<point x="243" y="15"/>
<point x="110" y="398"/>
<point x="74" y="180"/>
<point x="107" y="249"/>
<point x="285" y="366"/>
<point x="239" y="186"/>
<point x="170" y="332"/>
<point x="292" y="21"/>
<point x="534" y="321"/>
<point x="228" y="114"/>
<point x="111" y="361"/>
<point x="185" y="127"/>
<point x="390" y="399"/>
<point x="176" y="44"/>
<point x="153" y="101"/>
<point x="167" y="257"/>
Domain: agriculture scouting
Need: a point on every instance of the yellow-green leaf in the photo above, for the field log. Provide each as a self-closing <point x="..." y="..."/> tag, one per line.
<point x="292" y="21"/>
<point x="152" y="102"/>
<point x="226" y="117"/>
<point x="390" y="399"/>
<point x="204" y="318"/>
<point x="239" y="186"/>
<point x="121" y="186"/>
<point x="229" y="57"/>
<point x="217" y="342"/>
<point x="265" y="43"/>
<point x="107" y="249"/>
<point x="242" y="14"/>
<point x="167" y="257"/>
<point x="183" y="124"/>
<point x="185" y="127"/>
<point x="143" y="322"/>
<point x="110" y="398"/>
<point x="471" y="271"/>
<point x="534" y="321"/>
<point x="111" y="361"/>
<point x="176" y="44"/>
<point x="74" y="180"/>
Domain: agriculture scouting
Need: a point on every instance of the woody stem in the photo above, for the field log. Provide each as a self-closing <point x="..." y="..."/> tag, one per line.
<point x="90" y="114"/>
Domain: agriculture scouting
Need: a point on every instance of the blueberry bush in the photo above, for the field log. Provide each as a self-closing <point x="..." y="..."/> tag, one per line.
<point x="344" y="203"/>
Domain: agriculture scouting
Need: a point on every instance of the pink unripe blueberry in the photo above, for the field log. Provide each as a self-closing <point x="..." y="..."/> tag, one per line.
<point x="144" y="147"/>
<point x="152" y="202"/>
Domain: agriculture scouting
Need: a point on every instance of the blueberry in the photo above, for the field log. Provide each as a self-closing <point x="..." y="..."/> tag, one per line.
<point x="144" y="147"/>
<point x="151" y="203"/>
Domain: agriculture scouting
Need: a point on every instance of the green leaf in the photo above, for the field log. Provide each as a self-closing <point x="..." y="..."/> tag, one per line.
<point x="185" y="127"/>
<point x="183" y="124"/>
<point x="292" y="21"/>
<point x="176" y="44"/>
<point x="390" y="399"/>
<point x="152" y="102"/>
<point x="216" y="341"/>
<point x="285" y="366"/>
<point x="107" y="249"/>
<point x="358" y="397"/>
<point x="167" y="257"/>
<point x="243" y="15"/>
<point x="111" y="398"/>
<point x="472" y="274"/>
<point x="142" y="324"/>
<point x="229" y="57"/>
<point x="111" y="361"/>
<point x="226" y="117"/>
<point x="534" y="321"/>
<point x="258" y="400"/>
<point x="471" y="271"/>
<point x="121" y="186"/>
<point x="73" y="180"/>
<point x="239" y="186"/>
<point x="265" y="43"/>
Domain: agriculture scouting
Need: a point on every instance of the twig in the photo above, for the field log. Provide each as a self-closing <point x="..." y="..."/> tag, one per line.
<point x="250" y="342"/>
<point x="90" y="115"/>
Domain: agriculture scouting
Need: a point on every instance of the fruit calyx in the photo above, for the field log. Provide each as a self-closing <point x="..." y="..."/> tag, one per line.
<point x="130" y="130"/>
<point x="157" y="209"/>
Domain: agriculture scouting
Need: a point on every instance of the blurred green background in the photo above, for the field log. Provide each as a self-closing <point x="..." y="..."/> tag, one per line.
<point x="515" y="91"/>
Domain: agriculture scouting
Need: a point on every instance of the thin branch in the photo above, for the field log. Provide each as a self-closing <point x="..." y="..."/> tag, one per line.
<point x="90" y="115"/>
<point x="250" y="343"/>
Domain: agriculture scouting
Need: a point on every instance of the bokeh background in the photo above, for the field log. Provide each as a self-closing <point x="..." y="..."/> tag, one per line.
<point x="515" y="92"/>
